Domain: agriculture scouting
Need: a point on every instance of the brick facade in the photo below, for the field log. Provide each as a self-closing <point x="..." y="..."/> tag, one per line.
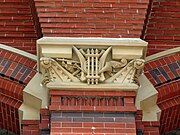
<point x="24" y="21"/>
<point x="17" y="25"/>
<point x="105" y="18"/>
<point x="162" y="30"/>
<point x="85" y="123"/>
<point x="92" y="112"/>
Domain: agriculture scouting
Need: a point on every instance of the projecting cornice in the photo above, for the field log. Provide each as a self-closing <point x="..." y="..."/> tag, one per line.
<point x="91" y="63"/>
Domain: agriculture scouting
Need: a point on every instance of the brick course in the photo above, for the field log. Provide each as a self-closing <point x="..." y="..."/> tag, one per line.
<point x="75" y="18"/>
<point x="163" y="70"/>
<point x="16" y="67"/>
<point x="88" y="123"/>
<point x="162" y="30"/>
<point x="164" y="75"/>
<point x="17" y="26"/>
<point x="97" y="101"/>
<point x="10" y="101"/>
<point x="15" y="72"/>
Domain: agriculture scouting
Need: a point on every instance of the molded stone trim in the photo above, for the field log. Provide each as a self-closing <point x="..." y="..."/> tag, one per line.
<point x="20" y="52"/>
<point x="162" y="54"/>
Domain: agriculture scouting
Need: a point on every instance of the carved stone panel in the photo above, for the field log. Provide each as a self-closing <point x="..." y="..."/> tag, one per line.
<point x="92" y="66"/>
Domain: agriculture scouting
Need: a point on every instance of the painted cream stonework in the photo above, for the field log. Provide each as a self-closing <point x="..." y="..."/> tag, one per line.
<point x="91" y="63"/>
<point x="146" y="100"/>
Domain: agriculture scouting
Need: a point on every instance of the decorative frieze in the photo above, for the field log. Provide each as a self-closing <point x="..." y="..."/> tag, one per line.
<point x="91" y="63"/>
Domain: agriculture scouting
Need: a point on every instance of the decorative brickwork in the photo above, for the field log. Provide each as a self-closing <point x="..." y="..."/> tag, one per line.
<point x="163" y="70"/>
<point x="16" y="67"/>
<point x="76" y="18"/>
<point x="92" y="101"/>
<point x="92" y="112"/>
<point x="164" y="75"/>
<point x="15" y="72"/>
<point x="162" y="30"/>
<point x="17" y="26"/>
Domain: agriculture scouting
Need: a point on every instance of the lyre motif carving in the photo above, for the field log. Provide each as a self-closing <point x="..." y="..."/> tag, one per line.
<point x="91" y="66"/>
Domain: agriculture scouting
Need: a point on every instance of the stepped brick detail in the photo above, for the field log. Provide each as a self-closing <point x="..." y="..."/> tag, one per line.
<point x="146" y="127"/>
<point x="17" y="25"/>
<point x="162" y="31"/>
<point x="91" y="19"/>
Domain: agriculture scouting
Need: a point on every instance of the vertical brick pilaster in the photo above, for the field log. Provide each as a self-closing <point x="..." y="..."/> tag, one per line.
<point x="92" y="112"/>
<point x="30" y="127"/>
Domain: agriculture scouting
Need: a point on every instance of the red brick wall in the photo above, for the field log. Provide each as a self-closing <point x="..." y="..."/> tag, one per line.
<point x="15" y="72"/>
<point x="30" y="127"/>
<point x="10" y="101"/>
<point x="151" y="128"/>
<point x="109" y="113"/>
<point x="170" y="119"/>
<point x="9" y="118"/>
<point x="82" y="123"/>
<point x="146" y="127"/>
<point x="105" y="18"/>
<point x="163" y="27"/>
<point x="37" y="127"/>
<point x="17" y="27"/>
<point x="164" y="74"/>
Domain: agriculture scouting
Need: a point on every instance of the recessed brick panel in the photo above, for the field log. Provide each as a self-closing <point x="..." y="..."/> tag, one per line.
<point x="95" y="101"/>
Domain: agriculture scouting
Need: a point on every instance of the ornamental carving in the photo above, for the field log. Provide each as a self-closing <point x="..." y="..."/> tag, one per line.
<point x="90" y="66"/>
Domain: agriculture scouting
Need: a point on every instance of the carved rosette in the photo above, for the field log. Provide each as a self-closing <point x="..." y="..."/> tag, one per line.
<point x="91" y="66"/>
